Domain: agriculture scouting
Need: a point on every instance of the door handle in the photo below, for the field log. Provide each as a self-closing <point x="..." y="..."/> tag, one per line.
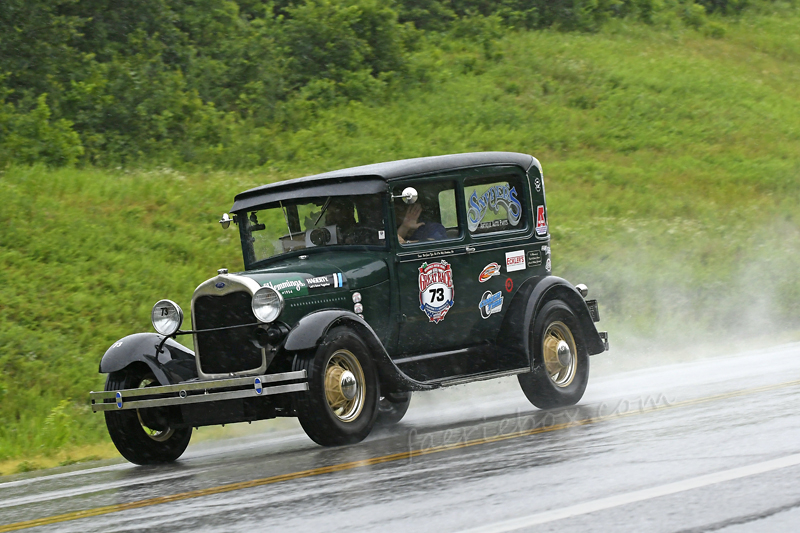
<point x="470" y="249"/>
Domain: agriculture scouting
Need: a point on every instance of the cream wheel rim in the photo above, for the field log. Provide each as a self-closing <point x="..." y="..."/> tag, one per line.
<point x="155" y="434"/>
<point x="344" y="385"/>
<point x="560" y="354"/>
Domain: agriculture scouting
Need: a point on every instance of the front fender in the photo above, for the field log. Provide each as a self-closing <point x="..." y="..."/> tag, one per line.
<point x="515" y="333"/>
<point x="174" y="364"/>
<point x="310" y="331"/>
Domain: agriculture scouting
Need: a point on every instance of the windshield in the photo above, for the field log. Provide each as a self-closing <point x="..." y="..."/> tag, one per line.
<point x="311" y="223"/>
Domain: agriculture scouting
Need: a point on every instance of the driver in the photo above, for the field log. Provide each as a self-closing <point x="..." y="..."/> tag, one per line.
<point x="341" y="212"/>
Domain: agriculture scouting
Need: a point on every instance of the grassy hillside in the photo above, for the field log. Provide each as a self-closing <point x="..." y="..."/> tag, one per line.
<point x="671" y="166"/>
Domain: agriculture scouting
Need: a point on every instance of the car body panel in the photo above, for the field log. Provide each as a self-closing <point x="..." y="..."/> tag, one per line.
<point x="172" y="364"/>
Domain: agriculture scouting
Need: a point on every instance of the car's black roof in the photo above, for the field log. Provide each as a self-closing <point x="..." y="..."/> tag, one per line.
<point x="371" y="179"/>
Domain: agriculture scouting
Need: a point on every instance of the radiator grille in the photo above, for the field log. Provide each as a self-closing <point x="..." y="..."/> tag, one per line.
<point x="229" y="350"/>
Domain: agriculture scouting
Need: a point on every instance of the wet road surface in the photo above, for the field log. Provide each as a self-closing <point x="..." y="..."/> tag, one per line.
<point x="712" y="445"/>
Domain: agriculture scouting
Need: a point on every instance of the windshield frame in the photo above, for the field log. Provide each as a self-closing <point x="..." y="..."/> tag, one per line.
<point x="251" y="261"/>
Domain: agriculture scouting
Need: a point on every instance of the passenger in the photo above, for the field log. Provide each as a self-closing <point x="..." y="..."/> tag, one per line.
<point x="412" y="230"/>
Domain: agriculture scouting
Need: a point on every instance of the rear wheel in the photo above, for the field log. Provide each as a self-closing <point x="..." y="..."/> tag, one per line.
<point x="341" y="402"/>
<point x="392" y="408"/>
<point x="143" y="436"/>
<point x="561" y="362"/>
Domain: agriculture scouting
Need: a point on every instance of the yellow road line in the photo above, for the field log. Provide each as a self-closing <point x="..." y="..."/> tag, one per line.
<point x="221" y="489"/>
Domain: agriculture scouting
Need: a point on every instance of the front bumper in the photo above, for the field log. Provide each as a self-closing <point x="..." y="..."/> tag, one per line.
<point x="199" y="391"/>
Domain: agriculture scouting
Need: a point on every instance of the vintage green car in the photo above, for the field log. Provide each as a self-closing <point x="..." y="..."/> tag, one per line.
<point x="361" y="286"/>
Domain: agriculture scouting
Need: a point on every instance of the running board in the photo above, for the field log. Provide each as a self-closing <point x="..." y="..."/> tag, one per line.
<point x="198" y="392"/>
<point x="447" y="382"/>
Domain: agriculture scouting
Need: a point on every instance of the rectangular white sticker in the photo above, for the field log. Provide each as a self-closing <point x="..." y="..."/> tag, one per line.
<point x="515" y="261"/>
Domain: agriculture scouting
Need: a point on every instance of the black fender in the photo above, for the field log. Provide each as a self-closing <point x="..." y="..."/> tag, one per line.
<point x="515" y="332"/>
<point x="310" y="331"/>
<point x="175" y="363"/>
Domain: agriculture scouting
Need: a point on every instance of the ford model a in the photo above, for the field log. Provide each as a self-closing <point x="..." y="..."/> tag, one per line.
<point x="359" y="287"/>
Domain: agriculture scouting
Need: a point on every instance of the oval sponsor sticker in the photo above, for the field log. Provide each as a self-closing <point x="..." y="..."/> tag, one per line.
<point x="490" y="270"/>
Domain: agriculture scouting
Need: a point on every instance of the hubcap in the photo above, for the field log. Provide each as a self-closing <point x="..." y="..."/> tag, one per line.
<point x="344" y="385"/>
<point x="558" y="347"/>
<point x="564" y="354"/>
<point x="349" y="386"/>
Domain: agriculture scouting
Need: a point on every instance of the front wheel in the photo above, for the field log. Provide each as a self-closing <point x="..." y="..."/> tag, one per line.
<point x="560" y="360"/>
<point x="340" y="404"/>
<point x="143" y="436"/>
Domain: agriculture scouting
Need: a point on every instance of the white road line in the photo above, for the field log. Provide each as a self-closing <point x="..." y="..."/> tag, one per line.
<point x="50" y="477"/>
<point x="637" y="496"/>
<point x="92" y="489"/>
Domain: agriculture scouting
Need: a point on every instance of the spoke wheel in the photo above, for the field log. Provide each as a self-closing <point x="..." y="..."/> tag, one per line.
<point x="558" y="348"/>
<point x="560" y="360"/>
<point x="340" y="404"/>
<point x="392" y="408"/>
<point x="344" y="385"/>
<point x="158" y="435"/>
<point x="143" y="436"/>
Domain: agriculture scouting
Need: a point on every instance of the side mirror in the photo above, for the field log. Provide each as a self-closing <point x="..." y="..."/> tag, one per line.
<point x="225" y="221"/>
<point x="409" y="195"/>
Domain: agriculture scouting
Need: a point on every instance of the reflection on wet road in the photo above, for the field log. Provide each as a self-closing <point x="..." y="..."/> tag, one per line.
<point x="706" y="446"/>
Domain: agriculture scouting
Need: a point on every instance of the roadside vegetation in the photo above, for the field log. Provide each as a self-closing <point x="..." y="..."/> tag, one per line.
<point x="669" y="132"/>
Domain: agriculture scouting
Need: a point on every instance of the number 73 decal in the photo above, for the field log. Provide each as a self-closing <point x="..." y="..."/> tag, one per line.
<point x="436" y="290"/>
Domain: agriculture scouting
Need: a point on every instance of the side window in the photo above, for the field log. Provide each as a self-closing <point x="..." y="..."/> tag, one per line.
<point x="433" y="217"/>
<point x="494" y="205"/>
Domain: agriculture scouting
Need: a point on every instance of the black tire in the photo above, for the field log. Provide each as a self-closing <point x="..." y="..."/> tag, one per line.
<point x="392" y="408"/>
<point x="556" y="381"/>
<point x="139" y="443"/>
<point x="327" y="415"/>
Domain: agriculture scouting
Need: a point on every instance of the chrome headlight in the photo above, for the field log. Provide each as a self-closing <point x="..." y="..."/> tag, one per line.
<point x="267" y="304"/>
<point x="167" y="317"/>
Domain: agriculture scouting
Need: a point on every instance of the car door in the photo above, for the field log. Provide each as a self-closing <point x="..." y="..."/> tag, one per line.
<point x="432" y="266"/>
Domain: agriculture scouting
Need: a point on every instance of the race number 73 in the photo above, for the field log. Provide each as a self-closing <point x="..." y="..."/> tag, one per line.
<point x="437" y="295"/>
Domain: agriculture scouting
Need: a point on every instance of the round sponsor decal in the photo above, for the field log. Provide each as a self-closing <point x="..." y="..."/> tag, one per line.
<point x="492" y="269"/>
<point x="436" y="290"/>
<point x="509" y="285"/>
<point x="490" y="304"/>
<point x="547" y="265"/>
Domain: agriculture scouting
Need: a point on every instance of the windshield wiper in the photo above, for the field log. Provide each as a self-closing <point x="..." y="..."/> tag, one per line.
<point x="324" y="207"/>
<point x="286" y="218"/>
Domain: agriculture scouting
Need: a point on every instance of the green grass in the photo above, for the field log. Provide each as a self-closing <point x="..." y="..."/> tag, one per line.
<point x="671" y="167"/>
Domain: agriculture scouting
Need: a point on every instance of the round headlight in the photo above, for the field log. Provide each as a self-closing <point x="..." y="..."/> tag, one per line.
<point x="267" y="304"/>
<point x="167" y="317"/>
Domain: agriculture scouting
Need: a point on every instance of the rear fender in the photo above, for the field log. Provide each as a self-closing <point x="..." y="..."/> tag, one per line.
<point x="174" y="364"/>
<point x="515" y="332"/>
<point x="310" y="332"/>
